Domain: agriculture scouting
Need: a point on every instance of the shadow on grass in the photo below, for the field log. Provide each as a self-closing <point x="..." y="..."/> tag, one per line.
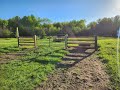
<point x="76" y="59"/>
<point x="51" y="58"/>
<point x="47" y="58"/>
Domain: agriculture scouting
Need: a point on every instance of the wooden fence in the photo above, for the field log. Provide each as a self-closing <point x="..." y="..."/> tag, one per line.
<point x="27" y="41"/>
<point x="83" y="42"/>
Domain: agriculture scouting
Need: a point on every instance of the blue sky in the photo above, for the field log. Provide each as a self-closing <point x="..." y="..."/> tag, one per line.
<point x="60" y="10"/>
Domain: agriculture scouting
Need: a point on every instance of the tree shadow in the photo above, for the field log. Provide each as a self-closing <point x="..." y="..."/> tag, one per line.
<point x="41" y="58"/>
<point x="76" y="58"/>
<point x="42" y="61"/>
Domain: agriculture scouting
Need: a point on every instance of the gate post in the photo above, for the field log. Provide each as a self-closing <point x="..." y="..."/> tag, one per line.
<point x="17" y="36"/>
<point x="35" y="41"/>
<point x="66" y="39"/>
<point x="96" y="47"/>
<point x="18" y="40"/>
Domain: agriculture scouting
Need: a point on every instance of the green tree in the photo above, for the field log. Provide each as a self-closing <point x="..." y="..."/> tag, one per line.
<point x="42" y="34"/>
<point x="92" y="25"/>
<point x="3" y="24"/>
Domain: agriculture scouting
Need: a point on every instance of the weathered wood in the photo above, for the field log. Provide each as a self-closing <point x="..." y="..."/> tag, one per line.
<point x="26" y="37"/>
<point x="27" y="41"/>
<point x="18" y="41"/>
<point x="35" y="41"/>
<point x="23" y="38"/>
<point x="26" y="44"/>
<point x="82" y="43"/>
<point x="81" y="40"/>
<point x="17" y="36"/>
<point x="17" y="33"/>
<point x="82" y="47"/>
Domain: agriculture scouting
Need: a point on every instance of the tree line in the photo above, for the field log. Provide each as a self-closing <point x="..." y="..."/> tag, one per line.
<point x="31" y="25"/>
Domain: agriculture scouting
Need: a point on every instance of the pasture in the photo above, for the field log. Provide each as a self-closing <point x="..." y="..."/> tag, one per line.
<point x="31" y="69"/>
<point x="8" y="45"/>
<point x="108" y="54"/>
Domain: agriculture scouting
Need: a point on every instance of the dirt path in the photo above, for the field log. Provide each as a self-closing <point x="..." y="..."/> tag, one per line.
<point x="78" y="71"/>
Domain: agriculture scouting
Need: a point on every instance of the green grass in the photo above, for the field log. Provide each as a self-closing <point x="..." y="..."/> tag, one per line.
<point x="108" y="54"/>
<point x="27" y="72"/>
<point x="8" y="45"/>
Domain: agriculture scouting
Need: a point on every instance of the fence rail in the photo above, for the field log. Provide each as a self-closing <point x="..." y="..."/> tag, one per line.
<point x="27" y="41"/>
<point x="83" y="42"/>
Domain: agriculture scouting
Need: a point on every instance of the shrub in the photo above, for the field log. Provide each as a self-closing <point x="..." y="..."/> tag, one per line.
<point x="42" y="34"/>
<point x="6" y="33"/>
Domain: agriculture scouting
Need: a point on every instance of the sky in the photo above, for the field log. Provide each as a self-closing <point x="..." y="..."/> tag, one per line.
<point x="60" y="10"/>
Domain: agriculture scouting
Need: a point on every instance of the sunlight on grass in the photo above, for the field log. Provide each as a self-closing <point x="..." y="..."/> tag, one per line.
<point x="27" y="72"/>
<point x="8" y="45"/>
<point x="107" y="52"/>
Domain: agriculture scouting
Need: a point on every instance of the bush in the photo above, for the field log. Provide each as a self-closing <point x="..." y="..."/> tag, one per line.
<point x="42" y="34"/>
<point x="6" y="33"/>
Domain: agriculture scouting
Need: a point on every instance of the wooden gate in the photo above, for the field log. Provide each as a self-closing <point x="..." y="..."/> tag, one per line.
<point x="82" y="42"/>
<point x="27" y="41"/>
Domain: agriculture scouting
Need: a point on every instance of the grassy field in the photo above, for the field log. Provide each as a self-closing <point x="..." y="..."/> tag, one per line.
<point x="8" y="45"/>
<point x="27" y="72"/>
<point x="108" y="54"/>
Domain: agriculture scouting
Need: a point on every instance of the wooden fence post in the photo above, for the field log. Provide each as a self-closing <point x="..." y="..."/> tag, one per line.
<point x="66" y="39"/>
<point x="18" y="40"/>
<point x="17" y="32"/>
<point x="96" y="47"/>
<point x="35" y="41"/>
<point x="17" y="36"/>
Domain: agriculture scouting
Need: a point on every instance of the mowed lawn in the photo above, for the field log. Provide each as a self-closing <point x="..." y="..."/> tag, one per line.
<point x="108" y="54"/>
<point x="27" y="72"/>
